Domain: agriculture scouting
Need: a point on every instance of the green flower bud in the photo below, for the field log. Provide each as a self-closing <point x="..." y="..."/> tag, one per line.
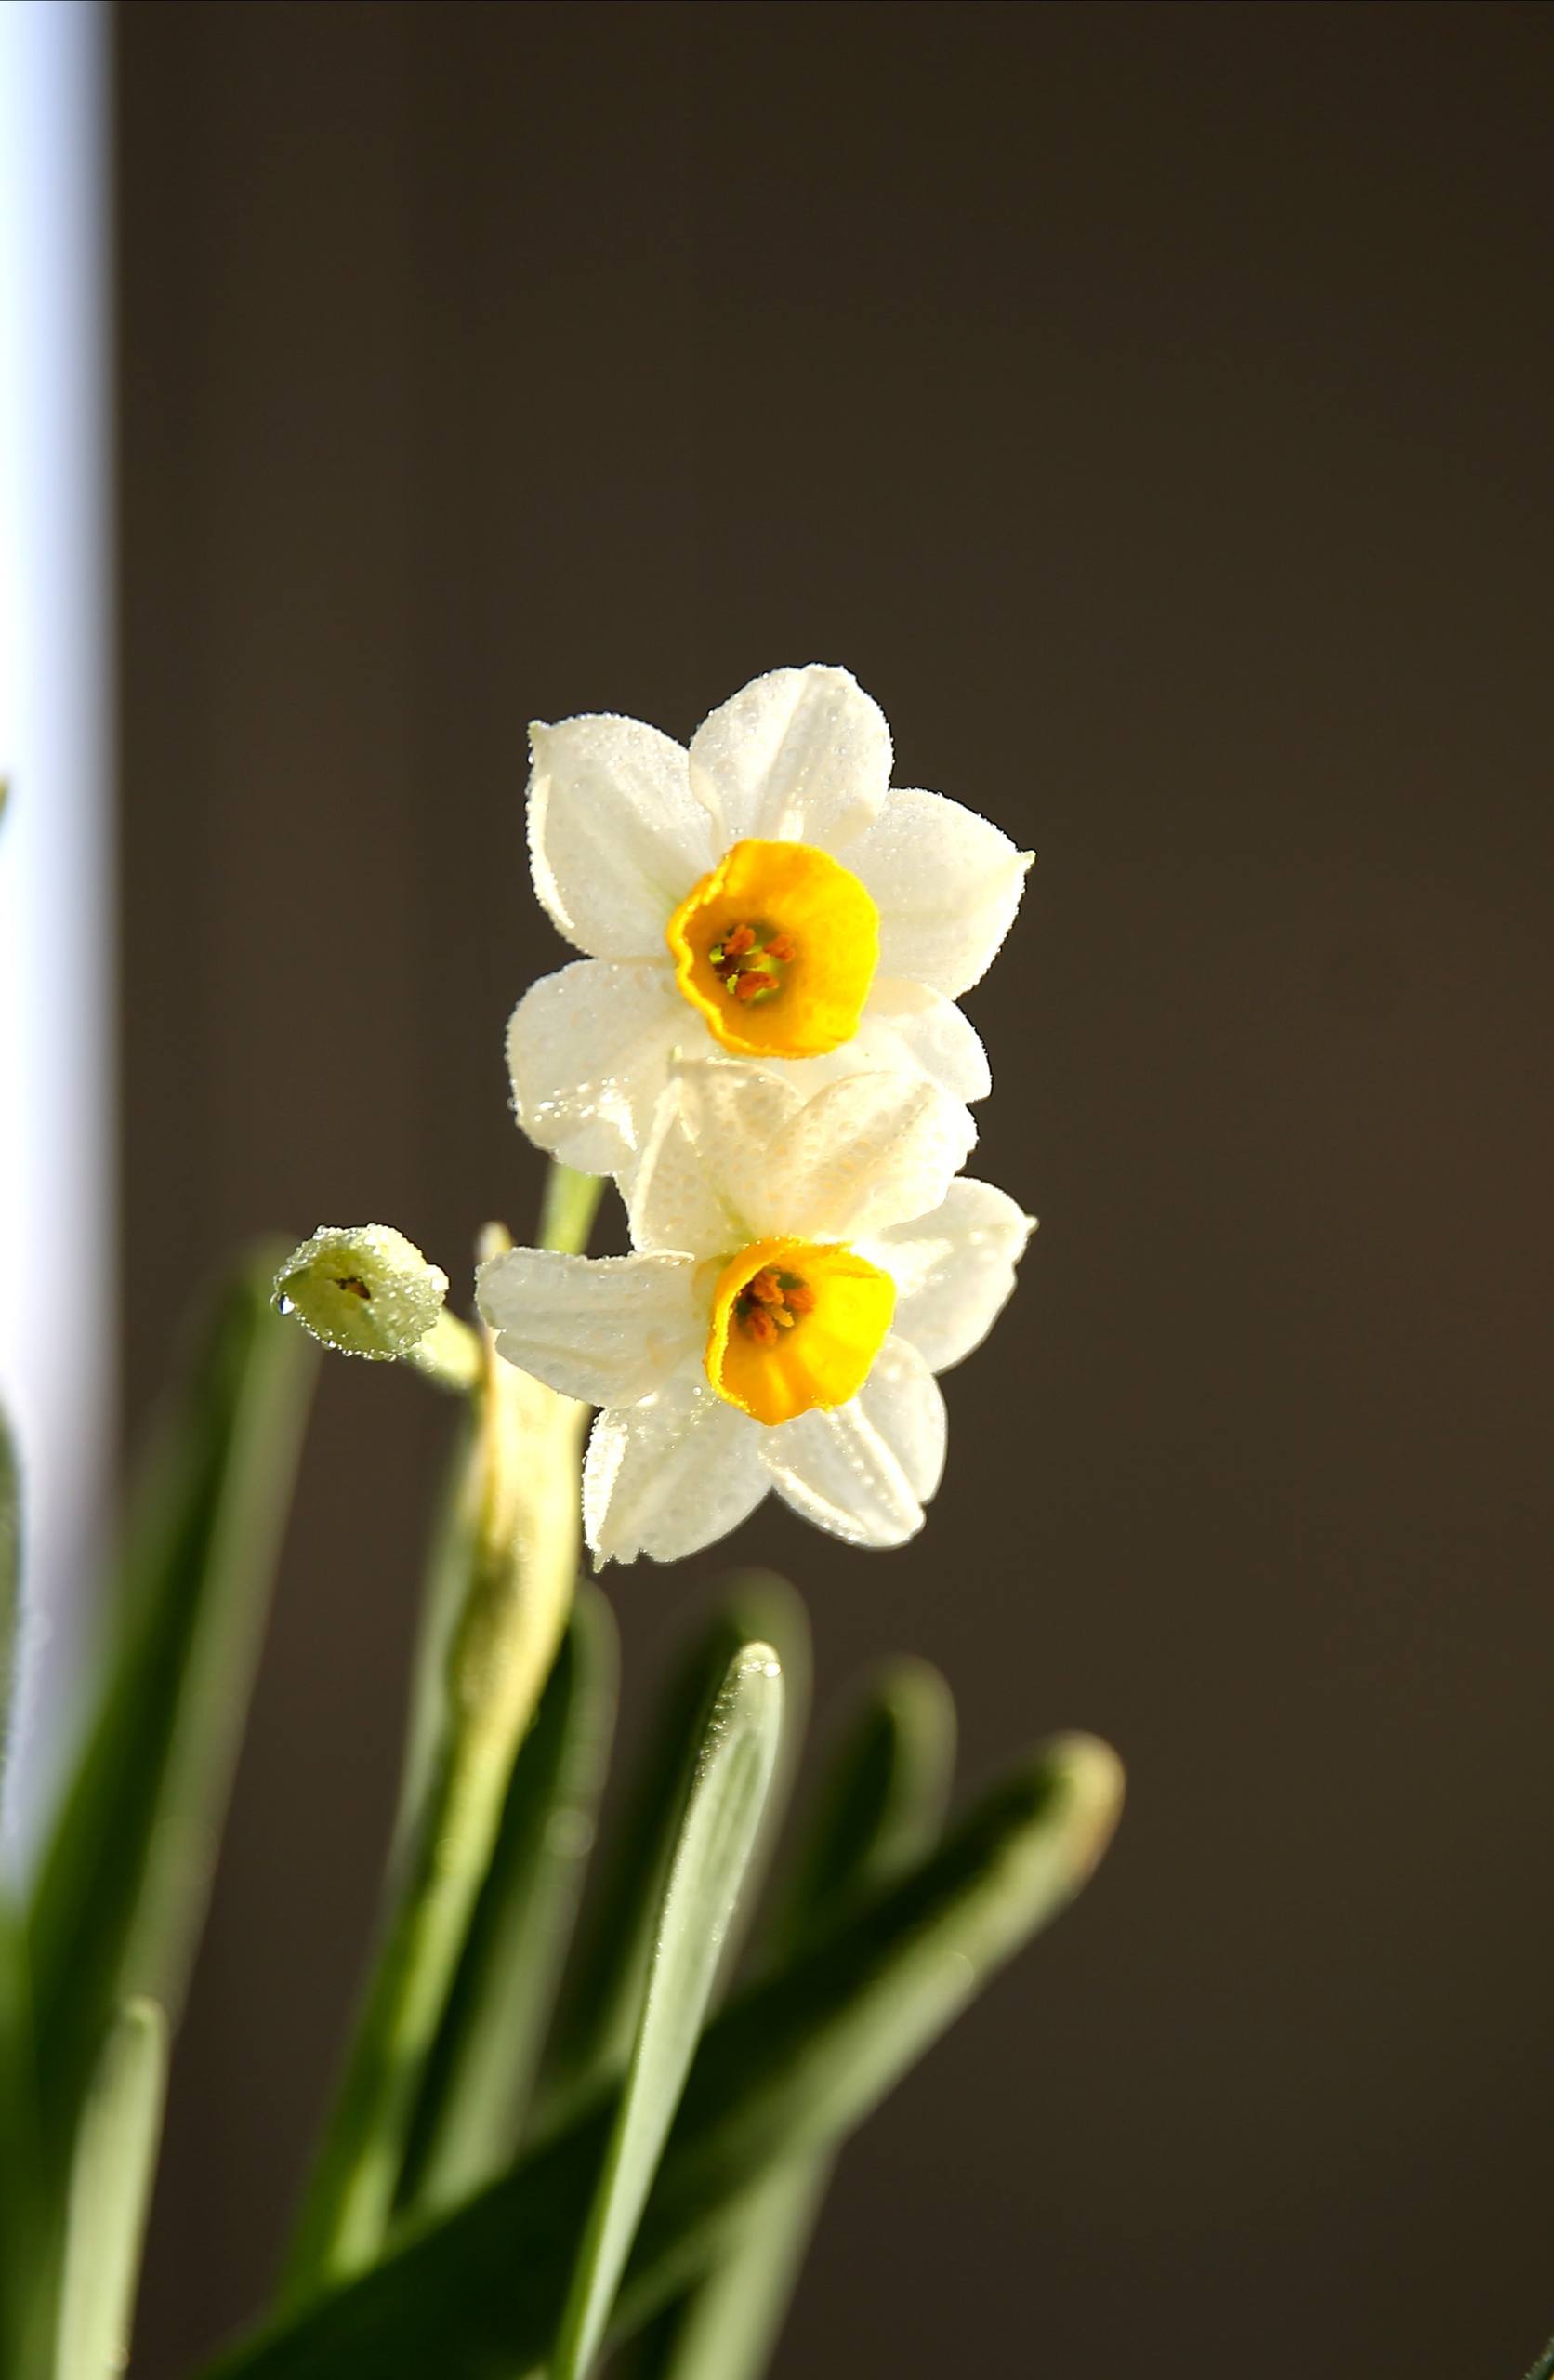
<point x="368" y="1293"/>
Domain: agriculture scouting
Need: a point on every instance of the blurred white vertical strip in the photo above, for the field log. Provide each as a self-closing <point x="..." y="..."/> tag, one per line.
<point x="57" y="1223"/>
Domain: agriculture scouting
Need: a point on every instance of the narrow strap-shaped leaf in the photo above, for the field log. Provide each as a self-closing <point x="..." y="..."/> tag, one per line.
<point x="456" y="1525"/>
<point x="1544" y="2368"/>
<point x="718" y="1833"/>
<point x="123" y="1887"/>
<point x="24" y="2280"/>
<point x="10" y="1586"/>
<point x="726" y="2325"/>
<point x="882" y="1806"/>
<point x="598" y="2007"/>
<point x="109" y="2194"/>
<point x="785" y="2070"/>
<point x="470" y="2108"/>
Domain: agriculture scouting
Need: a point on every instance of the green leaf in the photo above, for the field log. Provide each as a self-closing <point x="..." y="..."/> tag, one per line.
<point x="1544" y="2368"/>
<point x="109" y="2195"/>
<point x="596" y="2012"/>
<point x="726" y="2325"/>
<point x="469" y="2113"/>
<point x="122" y="1891"/>
<point x="454" y="1533"/>
<point x="882" y="1806"/>
<point x="10" y="1583"/>
<point x="24" y="2276"/>
<point x="786" y="2070"/>
<point x="717" y="1835"/>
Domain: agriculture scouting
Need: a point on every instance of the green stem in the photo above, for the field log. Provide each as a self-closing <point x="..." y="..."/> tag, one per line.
<point x="449" y="1355"/>
<point x="525" y="1479"/>
<point x="571" y="1203"/>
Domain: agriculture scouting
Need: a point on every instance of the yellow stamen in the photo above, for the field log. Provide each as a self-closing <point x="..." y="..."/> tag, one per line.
<point x="777" y="947"/>
<point x="814" y="1345"/>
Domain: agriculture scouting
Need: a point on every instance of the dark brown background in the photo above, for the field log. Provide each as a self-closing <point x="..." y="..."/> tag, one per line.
<point x="1151" y="404"/>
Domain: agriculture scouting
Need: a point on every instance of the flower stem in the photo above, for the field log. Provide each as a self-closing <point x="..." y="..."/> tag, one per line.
<point x="571" y="1203"/>
<point x="449" y="1354"/>
<point x="524" y="1481"/>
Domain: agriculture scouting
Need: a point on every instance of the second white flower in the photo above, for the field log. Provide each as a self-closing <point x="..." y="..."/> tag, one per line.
<point x="804" y="1268"/>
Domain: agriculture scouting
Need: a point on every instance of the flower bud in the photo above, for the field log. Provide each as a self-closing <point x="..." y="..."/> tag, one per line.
<point x="368" y="1291"/>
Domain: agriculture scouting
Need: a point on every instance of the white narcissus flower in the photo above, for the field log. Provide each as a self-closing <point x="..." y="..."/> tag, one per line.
<point x="804" y="1267"/>
<point x="764" y="892"/>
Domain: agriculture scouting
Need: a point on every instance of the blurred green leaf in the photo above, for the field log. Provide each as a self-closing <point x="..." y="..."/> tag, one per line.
<point x="1544" y="2368"/>
<point x="785" y="2071"/>
<point x="596" y="2011"/>
<point x="24" y="2280"/>
<point x="468" y="2116"/>
<point x="109" y="2195"/>
<point x="455" y="1525"/>
<point x="122" y="1890"/>
<point x="882" y="1806"/>
<point x="723" y="1807"/>
<point x="10" y="1583"/>
<point x="726" y="2325"/>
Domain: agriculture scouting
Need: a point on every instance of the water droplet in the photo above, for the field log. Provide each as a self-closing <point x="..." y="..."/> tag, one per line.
<point x="284" y="1305"/>
<point x="569" y="1833"/>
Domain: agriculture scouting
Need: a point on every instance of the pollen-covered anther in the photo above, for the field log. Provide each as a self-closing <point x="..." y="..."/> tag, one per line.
<point x="770" y="1302"/>
<point x="744" y="961"/>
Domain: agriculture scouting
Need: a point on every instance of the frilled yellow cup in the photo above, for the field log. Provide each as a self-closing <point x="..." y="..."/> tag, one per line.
<point x="796" y="1324"/>
<point x="777" y="947"/>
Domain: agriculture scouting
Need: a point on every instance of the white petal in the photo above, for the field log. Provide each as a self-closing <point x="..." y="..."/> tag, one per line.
<point x="801" y="754"/>
<point x="702" y="1168"/>
<point x="589" y="1052"/>
<point x="915" y="1029"/>
<point x="865" y="1471"/>
<point x="616" y="836"/>
<point x="947" y="885"/>
<point x="862" y="1154"/>
<point x="607" y="1329"/>
<point x="953" y="1269"/>
<point x="670" y="1475"/>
